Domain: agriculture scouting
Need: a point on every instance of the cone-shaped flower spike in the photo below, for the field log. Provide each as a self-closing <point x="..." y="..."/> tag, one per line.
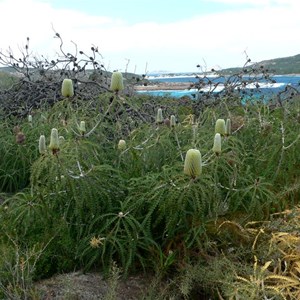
<point x="82" y="128"/>
<point x="116" y="83"/>
<point x="61" y="140"/>
<point x="54" y="141"/>
<point x="42" y="144"/>
<point x="20" y="136"/>
<point x="159" y="116"/>
<point x="67" y="89"/>
<point x="193" y="163"/>
<point x="122" y="145"/>
<point x="173" y="121"/>
<point x="167" y="122"/>
<point x="220" y="126"/>
<point x="30" y="118"/>
<point x="217" y="148"/>
<point x="228" y="127"/>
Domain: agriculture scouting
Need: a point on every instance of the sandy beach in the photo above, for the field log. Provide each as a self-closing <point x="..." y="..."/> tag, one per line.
<point x="164" y="86"/>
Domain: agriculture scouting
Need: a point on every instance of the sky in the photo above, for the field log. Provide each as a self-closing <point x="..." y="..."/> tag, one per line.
<point x="145" y="36"/>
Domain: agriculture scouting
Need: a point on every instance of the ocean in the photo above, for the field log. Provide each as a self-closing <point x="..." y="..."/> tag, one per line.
<point x="275" y="84"/>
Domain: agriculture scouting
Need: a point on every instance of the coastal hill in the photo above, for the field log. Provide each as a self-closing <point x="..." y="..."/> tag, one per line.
<point x="277" y="66"/>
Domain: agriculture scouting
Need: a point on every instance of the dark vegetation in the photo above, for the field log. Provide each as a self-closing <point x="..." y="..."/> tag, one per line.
<point x="230" y="233"/>
<point x="246" y="83"/>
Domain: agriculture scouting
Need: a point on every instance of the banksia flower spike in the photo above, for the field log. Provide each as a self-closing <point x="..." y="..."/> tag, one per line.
<point x="220" y="126"/>
<point x="159" y="116"/>
<point x="193" y="163"/>
<point x="228" y="127"/>
<point x="121" y="145"/>
<point x="67" y="89"/>
<point x="167" y="122"/>
<point x="217" y="148"/>
<point x="116" y="83"/>
<point x="30" y="118"/>
<point x="173" y="121"/>
<point x="42" y="144"/>
<point x="54" y="141"/>
<point x="82" y="128"/>
<point x="20" y="137"/>
<point x="61" y="140"/>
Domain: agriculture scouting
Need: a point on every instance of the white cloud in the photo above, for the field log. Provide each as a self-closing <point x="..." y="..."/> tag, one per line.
<point x="264" y="31"/>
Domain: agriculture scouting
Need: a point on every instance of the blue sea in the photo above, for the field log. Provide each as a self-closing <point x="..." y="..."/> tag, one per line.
<point x="275" y="84"/>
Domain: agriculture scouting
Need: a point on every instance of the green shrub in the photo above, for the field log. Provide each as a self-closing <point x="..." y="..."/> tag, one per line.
<point x="93" y="204"/>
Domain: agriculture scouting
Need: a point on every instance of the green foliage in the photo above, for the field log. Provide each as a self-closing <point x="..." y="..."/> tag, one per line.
<point x="7" y="80"/>
<point x="93" y="204"/>
<point x="120" y="237"/>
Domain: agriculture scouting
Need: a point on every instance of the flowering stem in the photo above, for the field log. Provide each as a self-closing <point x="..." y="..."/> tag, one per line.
<point x="178" y="145"/>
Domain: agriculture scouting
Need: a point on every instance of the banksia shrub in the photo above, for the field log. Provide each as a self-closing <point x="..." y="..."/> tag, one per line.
<point x="217" y="148"/>
<point x="159" y="116"/>
<point x="193" y="163"/>
<point x="54" y="141"/>
<point x="220" y="126"/>
<point x="116" y="83"/>
<point x="122" y="145"/>
<point x="82" y="128"/>
<point x="67" y="89"/>
<point x="42" y="144"/>
<point x="228" y="127"/>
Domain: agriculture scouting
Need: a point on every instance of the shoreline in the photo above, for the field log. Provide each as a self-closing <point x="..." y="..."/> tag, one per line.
<point x="180" y="86"/>
<point x="165" y="86"/>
